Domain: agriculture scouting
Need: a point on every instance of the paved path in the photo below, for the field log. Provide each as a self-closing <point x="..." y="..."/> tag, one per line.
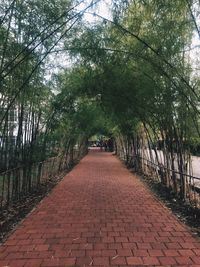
<point x="100" y="215"/>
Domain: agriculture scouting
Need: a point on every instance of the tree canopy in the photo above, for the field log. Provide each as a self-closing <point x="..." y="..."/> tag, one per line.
<point x="129" y="75"/>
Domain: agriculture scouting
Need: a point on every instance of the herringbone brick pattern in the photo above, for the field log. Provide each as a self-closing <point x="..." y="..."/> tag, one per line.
<point x="100" y="215"/>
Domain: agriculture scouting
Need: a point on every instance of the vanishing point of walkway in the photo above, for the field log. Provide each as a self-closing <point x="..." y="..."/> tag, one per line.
<point x="100" y="215"/>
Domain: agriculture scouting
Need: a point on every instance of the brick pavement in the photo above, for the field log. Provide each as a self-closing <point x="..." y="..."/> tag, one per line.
<point x="100" y="215"/>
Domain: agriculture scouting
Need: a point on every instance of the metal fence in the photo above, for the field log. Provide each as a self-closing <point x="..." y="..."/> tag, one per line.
<point x="18" y="182"/>
<point x="159" y="172"/>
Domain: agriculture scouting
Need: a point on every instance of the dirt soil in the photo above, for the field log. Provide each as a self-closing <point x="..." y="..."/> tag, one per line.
<point x="187" y="214"/>
<point x="12" y="215"/>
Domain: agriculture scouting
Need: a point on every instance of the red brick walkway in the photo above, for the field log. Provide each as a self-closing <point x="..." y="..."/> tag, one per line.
<point x="100" y="215"/>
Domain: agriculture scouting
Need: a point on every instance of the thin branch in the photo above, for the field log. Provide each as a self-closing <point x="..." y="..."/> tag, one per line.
<point x="7" y="36"/>
<point x="193" y="18"/>
<point x="33" y="71"/>
<point x="41" y="61"/>
<point x="149" y="47"/>
<point x="7" y="11"/>
<point x="38" y="35"/>
<point x="156" y="66"/>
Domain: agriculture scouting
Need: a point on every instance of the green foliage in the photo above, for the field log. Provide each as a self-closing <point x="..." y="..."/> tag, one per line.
<point x="129" y="73"/>
<point x="77" y="114"/>
<point x="138" y="65"/>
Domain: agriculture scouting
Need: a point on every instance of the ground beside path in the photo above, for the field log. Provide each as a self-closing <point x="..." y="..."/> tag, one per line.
<point x="100" y="215"/>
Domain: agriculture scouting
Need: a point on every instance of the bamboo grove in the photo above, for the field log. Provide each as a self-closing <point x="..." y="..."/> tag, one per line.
<point x="132" y="76"/>
<point x="32" y="142"/>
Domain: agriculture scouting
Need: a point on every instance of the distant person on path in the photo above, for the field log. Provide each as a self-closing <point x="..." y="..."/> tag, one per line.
<point x="110" y="145"/>
<point x="101" y="144"/>
<point x="106" y="145"/>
